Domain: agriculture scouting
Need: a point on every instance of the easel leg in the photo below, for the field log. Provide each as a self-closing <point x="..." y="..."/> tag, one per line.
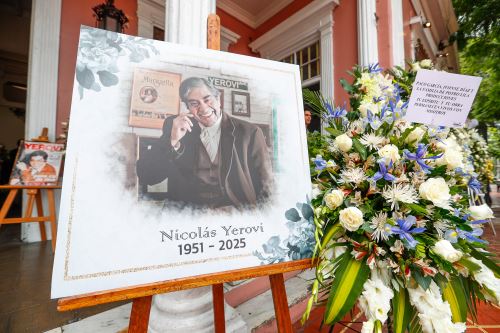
<point x="39" y="209"/>
<point x="31" y="200"/>
<point x="280" y="303"/>
<point x="52" y="214"/>
<point x="218" y="300"/>
<point x="6" y="205"/>
<point x="139" y="317"/>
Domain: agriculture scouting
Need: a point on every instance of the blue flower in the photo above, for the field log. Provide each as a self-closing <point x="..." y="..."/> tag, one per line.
<point x="452" y="235"/>
<point x="419" y="157"/>
<point x="338" y="112"/>
<point x="474" y="185"/>
<point x="383" y="172"/>
<point x="405" y="232"/>
<point x="374" y="121"/>
<point x="319" y="162"/>
<point x="374" y="68"/>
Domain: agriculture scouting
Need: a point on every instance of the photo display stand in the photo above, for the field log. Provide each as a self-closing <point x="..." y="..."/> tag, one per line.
<point x="34" y="194"/>
<point x="142" y="295"/>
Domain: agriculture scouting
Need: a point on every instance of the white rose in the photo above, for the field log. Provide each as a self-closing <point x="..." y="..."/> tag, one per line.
<point x="426" y="63"/>
<point x="334" y="199"/>
<point x="344" y="142"/>
<point x="451" y="158"/>
<point x="415" y="136"/>
<point x="437" y="191"/>
<point x="351" y="218"/>
<point x="444" y="249"/>
<point x="389" y="152"/>
<point x="415" y="66"/>
<point x="481" y="212"/>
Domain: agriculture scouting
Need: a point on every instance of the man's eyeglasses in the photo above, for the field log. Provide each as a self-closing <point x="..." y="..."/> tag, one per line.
<point x="195" y="104"/>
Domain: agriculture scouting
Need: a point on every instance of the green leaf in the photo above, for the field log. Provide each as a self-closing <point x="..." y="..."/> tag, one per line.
<point x="332" y="231"/>
<point x="401" y="308"/>
<point x="348" y="282"/>
<point x="414" y="326"/>
<point x="333" y="131"/>
<point x="471" y="266"/>
<point x="347" y="87"/>
<point x="418" y="209"/>
<point x="358" y="146"/>
<point x="293" y="215"/>
<point x="454" y="294"/>
<point x="423" y="281"/>
<point x="486" y="261"/>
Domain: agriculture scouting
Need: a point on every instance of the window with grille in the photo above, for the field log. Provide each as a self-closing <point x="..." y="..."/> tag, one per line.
<point x="308" y="59"/>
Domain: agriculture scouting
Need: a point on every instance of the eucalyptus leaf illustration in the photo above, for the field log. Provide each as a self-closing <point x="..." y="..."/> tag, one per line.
<point x="107" y="78"/>
<point x="85" y="77"/>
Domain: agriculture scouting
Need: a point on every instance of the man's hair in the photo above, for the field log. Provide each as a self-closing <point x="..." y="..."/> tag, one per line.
<point x="39" y="153"/>
<point x="195" y="82"/>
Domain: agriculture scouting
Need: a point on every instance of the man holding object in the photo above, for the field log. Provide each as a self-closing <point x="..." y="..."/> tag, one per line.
<point x="210" y="158"/>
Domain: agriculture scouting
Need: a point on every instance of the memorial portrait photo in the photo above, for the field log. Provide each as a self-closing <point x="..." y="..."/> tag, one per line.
<point x="174" y="180"/>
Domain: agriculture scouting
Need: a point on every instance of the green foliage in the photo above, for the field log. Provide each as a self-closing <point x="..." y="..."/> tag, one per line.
<point x="478" y="41"/>
<point x="402" y="310"/>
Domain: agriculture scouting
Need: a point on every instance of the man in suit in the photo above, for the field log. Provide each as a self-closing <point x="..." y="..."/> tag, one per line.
<point x="210" y="158"/>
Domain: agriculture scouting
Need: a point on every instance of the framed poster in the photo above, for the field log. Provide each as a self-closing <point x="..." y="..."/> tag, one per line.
<point x="241" y="103"/>
<point x="37" y="164"/>
<point x="205" y="193"/>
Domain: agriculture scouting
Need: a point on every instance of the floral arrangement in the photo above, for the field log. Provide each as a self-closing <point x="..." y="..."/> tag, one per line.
<point x="395" y="230"/>
<point x="476" y="150"/>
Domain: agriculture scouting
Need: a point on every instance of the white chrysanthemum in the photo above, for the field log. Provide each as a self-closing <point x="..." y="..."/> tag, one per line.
<point x="400" y="193"/>
<point x="433" y="312"/>
<point x="485" y="277"/>
<point x="353" y="176"/>
<point x="441" y="226"/>
<point x="373" y="141"/>
<point x="380" y="227"/>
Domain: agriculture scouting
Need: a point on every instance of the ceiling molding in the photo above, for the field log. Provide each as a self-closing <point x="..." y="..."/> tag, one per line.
<point x="264" y="14"/>
<point x="236" y="11"/>
<point x="272" y="9"/>
<point x="298" y="30"/>
<point x="227" y="37"/>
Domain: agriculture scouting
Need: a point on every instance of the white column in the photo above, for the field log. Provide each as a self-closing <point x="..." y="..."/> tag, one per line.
<point x="41" y="100"/>
<point x="186" y="21"/>
<point x="189" y="310"/>
<point x="398" y="42"/>
<point x="327" y="69"/>
<point x="367" y="33"/>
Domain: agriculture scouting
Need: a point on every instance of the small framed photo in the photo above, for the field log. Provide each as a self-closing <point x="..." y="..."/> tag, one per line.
<point x="241" y="103"/>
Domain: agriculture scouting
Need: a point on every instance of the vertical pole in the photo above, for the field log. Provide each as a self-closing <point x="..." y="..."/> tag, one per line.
<point x="280" y="303"/>
<point x="39" y="210"/>
<point x="139" y="317"/>
<point x="218" y="299"/>
<point x="52" y="217"/>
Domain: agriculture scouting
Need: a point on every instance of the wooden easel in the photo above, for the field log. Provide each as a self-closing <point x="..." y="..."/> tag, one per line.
<point x="142" y="295"/>
<point x="34" y="196"/>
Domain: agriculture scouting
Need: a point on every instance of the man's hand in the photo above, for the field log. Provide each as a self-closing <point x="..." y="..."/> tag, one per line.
<point x="22" y="166"/>
<point x="180" y="126"/>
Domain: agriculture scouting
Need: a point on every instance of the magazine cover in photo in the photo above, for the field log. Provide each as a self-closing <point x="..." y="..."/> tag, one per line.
<point x="196" y="164"/>
<point x="37" y="164"/>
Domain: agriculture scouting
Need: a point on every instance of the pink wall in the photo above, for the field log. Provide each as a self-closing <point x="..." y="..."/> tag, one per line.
<point x="345" y="46"/>
<point x="247" y="34"/>
<point x="74" y="14"/>
<point x="408" y="13"/>
<point x="384" y="29"/>
<point x="282" y="15"/>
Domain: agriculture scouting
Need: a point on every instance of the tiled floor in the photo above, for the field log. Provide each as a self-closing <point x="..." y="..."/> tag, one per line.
<point x="488" y="315"/>
<point x="25" y="274"/>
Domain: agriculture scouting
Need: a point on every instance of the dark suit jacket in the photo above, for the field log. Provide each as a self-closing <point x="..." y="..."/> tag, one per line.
<point x="245" y="172"/>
